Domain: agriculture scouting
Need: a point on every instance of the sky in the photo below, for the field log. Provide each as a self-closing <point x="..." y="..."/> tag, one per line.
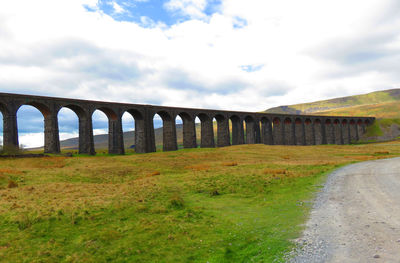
<point x="219" y="54"/>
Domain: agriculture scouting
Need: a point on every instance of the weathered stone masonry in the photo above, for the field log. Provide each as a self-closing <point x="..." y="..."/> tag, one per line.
<point x="271" y="129"/>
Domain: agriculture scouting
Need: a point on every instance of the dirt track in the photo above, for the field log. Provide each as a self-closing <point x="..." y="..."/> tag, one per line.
<point x="356" y="218"/>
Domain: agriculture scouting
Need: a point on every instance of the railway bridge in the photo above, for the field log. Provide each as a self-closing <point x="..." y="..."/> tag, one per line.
<point x="266" y="128"/>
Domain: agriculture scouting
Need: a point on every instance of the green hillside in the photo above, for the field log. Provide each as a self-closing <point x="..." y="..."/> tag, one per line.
<point x="359" y="104"/>
<point x="383" y="105"/>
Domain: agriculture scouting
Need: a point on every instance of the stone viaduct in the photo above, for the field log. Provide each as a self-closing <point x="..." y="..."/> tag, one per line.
<point x="272" y="129"/>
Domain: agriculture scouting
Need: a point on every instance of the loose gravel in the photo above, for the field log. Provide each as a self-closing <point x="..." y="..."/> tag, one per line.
<point x="356" y="216"/>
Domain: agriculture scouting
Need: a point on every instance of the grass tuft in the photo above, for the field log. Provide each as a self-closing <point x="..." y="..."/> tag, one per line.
<point x="176" y="201"/>
<point x="12" y="184"/>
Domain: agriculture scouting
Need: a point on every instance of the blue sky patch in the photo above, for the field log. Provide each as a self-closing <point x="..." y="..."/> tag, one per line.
<point x="144" y="12"/>
<point x="252" y="68"/>
<point x="239" y="22"/>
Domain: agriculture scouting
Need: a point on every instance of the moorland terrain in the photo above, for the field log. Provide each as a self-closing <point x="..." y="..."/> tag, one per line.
<point x="234" y="204"/>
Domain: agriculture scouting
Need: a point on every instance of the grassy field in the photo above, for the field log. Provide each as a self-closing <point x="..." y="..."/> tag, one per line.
<point x="235" y="204"/>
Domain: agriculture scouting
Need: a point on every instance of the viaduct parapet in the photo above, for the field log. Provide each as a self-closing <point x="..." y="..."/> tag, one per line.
<point x="266" y="128"/>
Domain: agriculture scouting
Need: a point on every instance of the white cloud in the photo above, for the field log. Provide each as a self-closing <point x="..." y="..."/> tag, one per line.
<point x="192" y="8"/>
<point x="117" y="8"/>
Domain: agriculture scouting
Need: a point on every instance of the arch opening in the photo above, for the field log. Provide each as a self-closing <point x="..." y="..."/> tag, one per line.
<point x="30" y="122"/>
<point x="197" y="123"/>
<point x="100" y="126"/>
<point x="158" y="131"/>
<point x="179" y="131"/>
<point x="68" y="125"/>
<point x="128" y="129"/>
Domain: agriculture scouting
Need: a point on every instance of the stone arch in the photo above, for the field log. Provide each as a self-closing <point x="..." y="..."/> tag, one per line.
<point x="168" y="130"/>
<point x="299" y="131"/>
<point x="277" y="131"/>
<point x="319" y="134"/>
<point x="288" y="131"/>
<point x="86" y="141"/>
<point x="237" y="130"/>
<point x="353" y="131"/>
<point x="309" y="136"/>
<point x="115" y="133"/>
<point x="110" y="113"/>
<point x="345" y="131"/>
<point x="50" y="125"/>
<point x="266" y="131"/>
<point x="206" y="131"/>
<point x="43" y="108"/>
<point x="189" y="130"/>
<point x="337" y="131"/>
<point x="360" y="127"/>
<point x="79" y="111"/>
<point x="329" y="131"/>
<point x="223" y="134"/>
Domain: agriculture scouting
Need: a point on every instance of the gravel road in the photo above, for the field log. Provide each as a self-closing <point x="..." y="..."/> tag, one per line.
<point x="356" y="217"/>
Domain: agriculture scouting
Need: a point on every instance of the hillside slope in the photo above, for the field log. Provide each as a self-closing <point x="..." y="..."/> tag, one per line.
<point x="383" y="105"/>
<point x="381" y="101"/>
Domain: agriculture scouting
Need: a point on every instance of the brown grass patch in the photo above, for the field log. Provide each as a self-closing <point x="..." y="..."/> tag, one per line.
<point x="230" y="164"/>
<point x="9" y="171"/>
<point x="275" y="171"/>
<point x="45" y="163"/>
<point x="153" y="174"/>
<point x="12" y="184"/>
<point x="198" y="167"/>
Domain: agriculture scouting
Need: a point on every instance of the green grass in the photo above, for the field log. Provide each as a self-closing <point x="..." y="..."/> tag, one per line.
<point x="234" y="204"/>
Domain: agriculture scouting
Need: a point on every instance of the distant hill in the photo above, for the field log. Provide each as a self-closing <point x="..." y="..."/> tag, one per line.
<point x="384" y="105"/>
<point x="101" y="140"/>
<point x="371" y="104"/>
